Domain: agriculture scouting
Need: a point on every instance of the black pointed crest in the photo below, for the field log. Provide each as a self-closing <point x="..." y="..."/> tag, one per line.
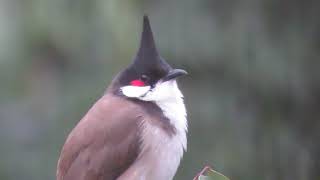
<point x="147" y="55"/>
<point x="147" y="44"/>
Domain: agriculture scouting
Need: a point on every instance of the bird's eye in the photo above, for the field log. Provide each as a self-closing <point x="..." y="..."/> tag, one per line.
<point x="142" y="81"/>
<point x="145" y="78"/>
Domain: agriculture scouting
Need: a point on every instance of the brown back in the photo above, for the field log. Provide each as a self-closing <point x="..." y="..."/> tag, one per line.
<point x="104" y="143"/>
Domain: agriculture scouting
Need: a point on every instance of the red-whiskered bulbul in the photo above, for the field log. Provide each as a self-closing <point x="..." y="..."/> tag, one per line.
<point x="136" y="130"/>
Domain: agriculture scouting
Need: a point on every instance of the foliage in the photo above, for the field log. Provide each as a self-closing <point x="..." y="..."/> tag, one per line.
<point x="209" y="174"/>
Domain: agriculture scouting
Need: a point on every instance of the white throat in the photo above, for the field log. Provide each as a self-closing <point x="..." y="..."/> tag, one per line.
<point x="156" y="143"/>
<point x="167" y="96"/>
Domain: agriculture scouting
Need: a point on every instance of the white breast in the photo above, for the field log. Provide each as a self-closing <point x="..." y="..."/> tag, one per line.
<point x="167" y="150"/>
<point x="161" y="153"/>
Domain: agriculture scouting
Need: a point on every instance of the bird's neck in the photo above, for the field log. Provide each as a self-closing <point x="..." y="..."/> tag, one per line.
<point x="174" y="109"/>
<point x="163" y="152"/>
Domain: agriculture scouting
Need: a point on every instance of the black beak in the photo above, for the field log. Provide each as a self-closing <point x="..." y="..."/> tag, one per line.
<point x="173" y="74"/>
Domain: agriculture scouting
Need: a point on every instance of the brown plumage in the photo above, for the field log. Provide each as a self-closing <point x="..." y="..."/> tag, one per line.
<point x="106" y="142"/>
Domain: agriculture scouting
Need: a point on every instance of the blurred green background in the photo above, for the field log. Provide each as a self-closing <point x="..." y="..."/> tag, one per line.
<point x="253" y="93"/>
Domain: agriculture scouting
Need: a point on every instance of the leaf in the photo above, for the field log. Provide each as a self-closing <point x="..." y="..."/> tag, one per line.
<point x="209" y="174"/>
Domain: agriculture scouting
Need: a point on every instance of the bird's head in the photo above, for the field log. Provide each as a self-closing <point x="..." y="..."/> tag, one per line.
<point x="149" y="77"/>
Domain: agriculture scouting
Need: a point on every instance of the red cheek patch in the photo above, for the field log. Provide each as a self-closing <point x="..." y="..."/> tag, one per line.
<point x="137" y="83"/>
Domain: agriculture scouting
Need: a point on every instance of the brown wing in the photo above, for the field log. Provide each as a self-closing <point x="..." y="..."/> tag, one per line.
<point x="103" y="144"/>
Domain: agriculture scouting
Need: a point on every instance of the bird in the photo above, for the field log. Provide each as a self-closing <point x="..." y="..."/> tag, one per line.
<point x="137" y="130"/>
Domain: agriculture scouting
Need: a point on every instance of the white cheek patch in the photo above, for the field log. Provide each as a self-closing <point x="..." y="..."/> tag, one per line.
<point x="163" y="91"/>
<point x="135" y="91"/>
